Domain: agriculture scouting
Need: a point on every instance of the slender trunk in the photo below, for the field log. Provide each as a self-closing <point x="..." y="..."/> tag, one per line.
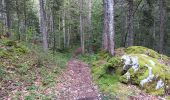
<point x="81" y="27"/>
<point x="25" y="20"/>
<point x="90" y="27"/>
<point x="43" y="27"/>
<point x="53" y="29"/>
<point x="18" y="15"/>
<point x="3" y="15"/>
<point x="68" y="38"/>
<point x="64" y="29"/>
<point x="8" y="18"/>
<point x="162" y="24"/>
<point x="154" y="33"/>
<point x="59" y="28"/>
<point x="105" y="30"/>
<point x="130" y="34"/>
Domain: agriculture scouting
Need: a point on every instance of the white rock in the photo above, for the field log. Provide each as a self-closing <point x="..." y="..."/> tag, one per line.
<point x="127" y="75"/>
<point x="152" y="62"/>
<point x="160" y="84"/>
<point x="127" y="59"/>
<point x="131" y="61"/>
<point x="149" y="78"/>
<point x="135" y="64"/>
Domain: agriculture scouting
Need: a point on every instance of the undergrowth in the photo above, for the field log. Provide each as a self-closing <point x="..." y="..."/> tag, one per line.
<point x="30" y="70"/>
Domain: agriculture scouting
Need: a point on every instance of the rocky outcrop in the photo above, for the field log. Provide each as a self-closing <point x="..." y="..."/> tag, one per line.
<point x="139" y="66"/>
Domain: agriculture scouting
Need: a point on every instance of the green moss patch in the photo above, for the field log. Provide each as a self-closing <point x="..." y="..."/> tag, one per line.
<point x="11" y="49"/>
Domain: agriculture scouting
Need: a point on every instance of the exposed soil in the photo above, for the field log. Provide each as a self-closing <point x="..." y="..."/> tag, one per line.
<point x="76" y="83"/>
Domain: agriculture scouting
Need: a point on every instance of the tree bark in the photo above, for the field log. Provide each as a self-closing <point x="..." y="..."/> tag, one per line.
<point x="18" y="15"/>
<point x="8" y="18"/>
<point x="162" y="25"/>
<point x="25" y="20"/>
<point x="81" y="27"/>
<point x="105" y="30"/>
<point x="130" y="34"/>
<point x="43" y="27"/>
<point x="64" y="29"/>
<point x="109" y="28"/>
<point x="90" y="27"/>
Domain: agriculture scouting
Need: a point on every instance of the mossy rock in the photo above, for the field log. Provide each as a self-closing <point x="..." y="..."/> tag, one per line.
<point x="11" y="49"/>
<point x="116" y="63"/>
<point x="99" y="68"/>
<point x="146" y="51"/>
<point x="148" y="74"/>
<point x="144" y="69"/>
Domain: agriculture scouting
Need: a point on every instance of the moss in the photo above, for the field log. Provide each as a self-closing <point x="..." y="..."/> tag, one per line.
<point x="99" y="70"/>
<point x="167" y="98"/>
<point x="159" y="71"/>
<point x="117" y="64"/>
<point x="123" y="79"/>
<point x="104" y="55"/>
<point x="147" y="58"/>
<point x="8" y="42"/>
<point x="146" y="51"/>
<point x="119" y="52"/>
<point x="11" y="49"/>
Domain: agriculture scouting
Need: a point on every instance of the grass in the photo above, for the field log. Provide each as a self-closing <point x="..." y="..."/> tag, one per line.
<point x="23" y="64"/>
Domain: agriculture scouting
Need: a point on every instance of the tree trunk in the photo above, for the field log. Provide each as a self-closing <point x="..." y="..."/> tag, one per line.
<point x="130" y="34"/>
<point x="105" y="30"/>
<point x="162" y="25"/>
<point x="64" y="29"/>
<point x="81" y="27"/>
<point x="25" y="20"/>
<point x="43" y="27"/>
<point x="3" y="15"/>
<point x="8" y="18"/>
<point x="90" y="27"/>
<point x="18" y="15"/>
<point x="59" y="28"/>
<point x="109" y="28"/>
<point x="68" y="36"/>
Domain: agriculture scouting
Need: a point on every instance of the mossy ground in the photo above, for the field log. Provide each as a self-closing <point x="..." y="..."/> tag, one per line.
<point x="24" y="65"/>
<point x="109" y="84"/>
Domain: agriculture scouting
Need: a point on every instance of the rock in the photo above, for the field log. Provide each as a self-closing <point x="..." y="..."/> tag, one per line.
<point x="139" y="66"/>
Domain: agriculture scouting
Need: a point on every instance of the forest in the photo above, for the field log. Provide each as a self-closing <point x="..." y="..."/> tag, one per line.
<point x="84" y="50"/>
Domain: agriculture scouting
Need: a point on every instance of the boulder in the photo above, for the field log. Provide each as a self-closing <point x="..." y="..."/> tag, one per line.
<point x="139" y="66"/>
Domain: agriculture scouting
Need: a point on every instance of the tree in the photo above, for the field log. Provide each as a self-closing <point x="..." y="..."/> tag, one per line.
<point x="81" y="28"/>
<point x="43" y="27"/>
<point x="109" y="31"/>
<point x="90" y="26"/>
<point x="129" y="35"/>
<point x="162" y="24"/>
<point x="8" y="17"/>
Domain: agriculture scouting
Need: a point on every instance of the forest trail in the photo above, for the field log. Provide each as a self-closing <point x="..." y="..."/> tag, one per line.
<point x="76" y="83"/>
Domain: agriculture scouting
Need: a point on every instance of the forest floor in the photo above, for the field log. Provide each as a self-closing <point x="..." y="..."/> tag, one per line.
<point x="76" y="83"/>
<point x="33" y="75"/>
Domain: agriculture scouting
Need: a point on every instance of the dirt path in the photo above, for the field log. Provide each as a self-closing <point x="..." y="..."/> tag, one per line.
<point x="76" y="83"/>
